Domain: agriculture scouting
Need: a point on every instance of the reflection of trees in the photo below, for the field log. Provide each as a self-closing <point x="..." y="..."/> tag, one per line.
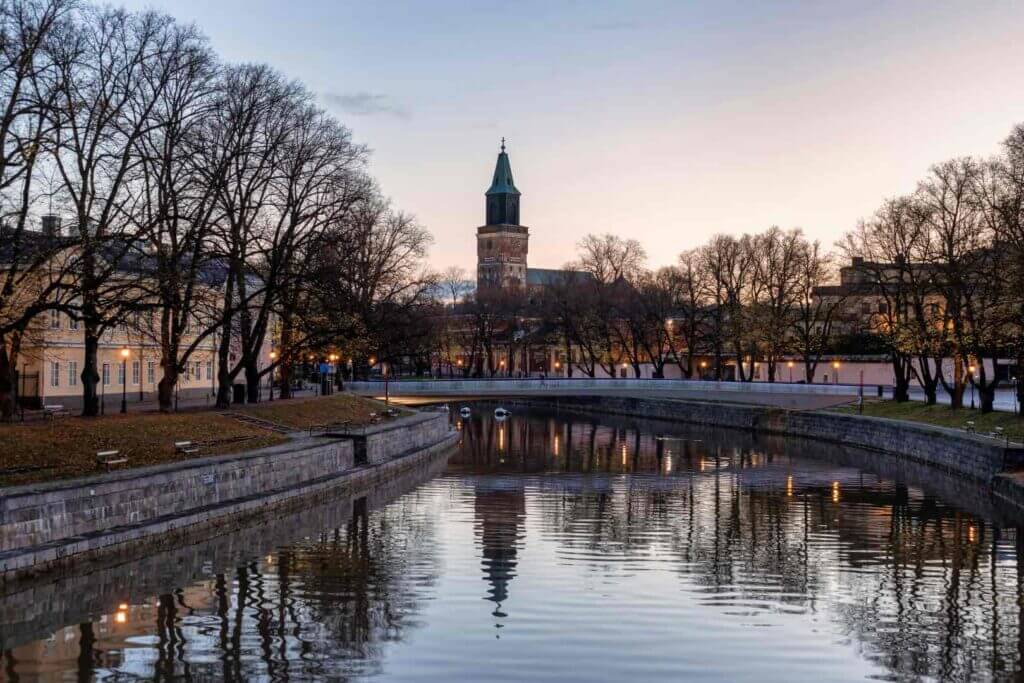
<point x="928" y="590"/>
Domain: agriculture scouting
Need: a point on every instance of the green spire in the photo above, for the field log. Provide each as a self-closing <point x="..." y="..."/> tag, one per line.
<point x="502" y="183"/>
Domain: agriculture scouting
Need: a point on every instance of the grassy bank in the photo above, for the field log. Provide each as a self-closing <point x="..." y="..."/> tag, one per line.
<point x="41" y="451"/>
<point x="301" y="412"/>
<point x="943" y="416"/>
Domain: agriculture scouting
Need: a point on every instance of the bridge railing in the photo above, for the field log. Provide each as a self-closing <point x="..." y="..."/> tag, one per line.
<point x="532" y="385"/>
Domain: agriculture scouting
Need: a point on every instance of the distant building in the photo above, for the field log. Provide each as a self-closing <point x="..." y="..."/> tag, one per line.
<point x="502" y="245"/>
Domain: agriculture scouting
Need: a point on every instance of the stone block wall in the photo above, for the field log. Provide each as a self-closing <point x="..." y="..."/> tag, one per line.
<point x="392" y="439"/>
<point x="38" y="514"/>
<point x="975" y="456"/>
<point x="47" y="524"/>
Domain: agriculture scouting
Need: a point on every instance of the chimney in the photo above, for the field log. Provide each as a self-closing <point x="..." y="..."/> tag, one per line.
<point x="858" y="261"/>
<point x="51" y="225"/>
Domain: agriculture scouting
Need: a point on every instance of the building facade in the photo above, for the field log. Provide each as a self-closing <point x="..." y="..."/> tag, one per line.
<point x="502" y="243"/>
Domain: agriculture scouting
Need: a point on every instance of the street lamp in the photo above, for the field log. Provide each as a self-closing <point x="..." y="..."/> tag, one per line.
<point x="790" y="366"/>
<point x="971" y="370"/>
<point x="835" y="366"/>
<point x="124" y="379"/>
<point x="273" y="355"/>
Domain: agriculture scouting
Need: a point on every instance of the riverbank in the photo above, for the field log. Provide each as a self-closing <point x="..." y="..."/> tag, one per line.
<point x="942" y="416"/>
<point x="66" y="446"/>
<point x="56" y="525"/>
<point x="991" y="462"/>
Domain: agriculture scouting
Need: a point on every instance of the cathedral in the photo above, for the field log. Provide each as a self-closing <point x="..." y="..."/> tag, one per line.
<point x="502" y="243"/>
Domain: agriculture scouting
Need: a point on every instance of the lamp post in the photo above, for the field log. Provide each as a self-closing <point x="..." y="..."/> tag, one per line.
<point x="790" y="366"/>
<point x="124" y="379"/>
<point x="835" y="366"/>
<point x="703" y="370"/>
<point x="333" y="358"/>
<point x="273" y="355"/>
<point x="387" y="395"/>
<point x="971" y="371"/>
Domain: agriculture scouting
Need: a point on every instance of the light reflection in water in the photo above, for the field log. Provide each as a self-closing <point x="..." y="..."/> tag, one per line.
<point x="625" y="557"/>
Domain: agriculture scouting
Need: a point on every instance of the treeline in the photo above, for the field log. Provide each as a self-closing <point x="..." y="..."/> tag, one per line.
<point x="201" y="201"/>
<point x="936" y="284"/>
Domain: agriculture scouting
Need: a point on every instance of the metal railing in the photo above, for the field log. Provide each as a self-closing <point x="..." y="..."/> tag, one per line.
<point x="531" y="385"/>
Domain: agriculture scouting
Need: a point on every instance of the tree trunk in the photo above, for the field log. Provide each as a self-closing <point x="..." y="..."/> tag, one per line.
<point x="284" y="371"/>
<point x="7" y="380"/>
<point x="252" y="382"/>
<point x="224" y="377"/>
<point x="90" y="376"/>
<point x="165" y="388"/>
<point x="987" y="396"/>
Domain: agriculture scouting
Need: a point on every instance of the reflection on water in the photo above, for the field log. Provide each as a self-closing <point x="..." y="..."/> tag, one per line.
<point x="561" y="547"/>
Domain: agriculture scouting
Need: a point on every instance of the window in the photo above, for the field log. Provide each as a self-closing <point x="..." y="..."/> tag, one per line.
<point x="136" y="371"/>
<point x="120" y="374"/>
<point x="865" y="307"/>
<point x="199" y="370"/>
<point x="209" y="369"/>
<point x="883" y="307"/>
<point x="54" y="322"/>
<point x="54" y="374"/>
<point x="106" y="373"/>
<point x="151" y="372"/>
<point x="73" y="373"/>
<point x="73" y="323"/>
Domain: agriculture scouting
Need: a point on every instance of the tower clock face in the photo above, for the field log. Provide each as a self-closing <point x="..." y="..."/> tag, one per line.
<point x="517" y="245"/>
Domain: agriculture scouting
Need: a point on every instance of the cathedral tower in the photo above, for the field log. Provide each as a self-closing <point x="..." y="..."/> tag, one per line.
<point x="501" y="244"/>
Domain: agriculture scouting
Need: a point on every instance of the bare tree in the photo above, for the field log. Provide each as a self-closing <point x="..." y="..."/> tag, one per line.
<point x="34" y="265"/>
<point x="814" y="311"/>
<point x="112" y="75"/>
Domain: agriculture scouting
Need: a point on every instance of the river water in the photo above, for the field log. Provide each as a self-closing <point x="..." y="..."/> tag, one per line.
<point x="567" y="547"/>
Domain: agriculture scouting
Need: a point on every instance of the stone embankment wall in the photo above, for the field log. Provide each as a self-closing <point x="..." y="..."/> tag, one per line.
<point x="978" y="457"/>
<point x="36" y="607"/>
<point x="44" y="526"/>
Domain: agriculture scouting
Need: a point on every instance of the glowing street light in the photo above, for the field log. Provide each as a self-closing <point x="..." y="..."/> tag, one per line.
<point x="835" y="366"/>
<point x="124" y="379"/>
<point x="270" y="378"/>
<point x="790" y="366"/>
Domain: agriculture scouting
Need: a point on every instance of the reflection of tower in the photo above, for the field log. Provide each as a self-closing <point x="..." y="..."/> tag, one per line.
<point x="500" y="510"/>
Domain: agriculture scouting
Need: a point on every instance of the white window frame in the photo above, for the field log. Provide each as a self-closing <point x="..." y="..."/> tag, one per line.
<point x="136" y="372"/>
<point x="106" y="375"/>
<point x="72" y="373"/>
<point x="54" y="320"/>
<point x="54" y="373"/>
<point x="151" y="372"/>
<point x="120" y="374"/>
<point x="209" y="370"/>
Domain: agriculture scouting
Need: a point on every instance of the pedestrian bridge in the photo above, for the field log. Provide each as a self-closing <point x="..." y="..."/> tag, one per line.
<point x="783" y="395"/>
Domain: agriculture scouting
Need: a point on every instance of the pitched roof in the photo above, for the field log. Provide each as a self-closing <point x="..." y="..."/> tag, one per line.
<point x="502" y="182"/>
<point x="546" y="277"/>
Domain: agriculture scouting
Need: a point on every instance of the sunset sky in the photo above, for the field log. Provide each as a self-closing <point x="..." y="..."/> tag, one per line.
<point x="663" y="121"/>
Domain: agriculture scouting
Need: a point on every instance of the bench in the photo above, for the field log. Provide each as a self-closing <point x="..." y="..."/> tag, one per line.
<point x="108" y="458"/>
<point x="55" y="410"/>
<point x="186" y="447"/>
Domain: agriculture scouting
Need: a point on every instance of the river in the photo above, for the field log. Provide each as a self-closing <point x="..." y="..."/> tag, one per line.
<point x="555" y="546"/>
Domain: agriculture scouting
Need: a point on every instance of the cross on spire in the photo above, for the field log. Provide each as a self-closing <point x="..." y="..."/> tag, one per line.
<point x="503" y="144"/>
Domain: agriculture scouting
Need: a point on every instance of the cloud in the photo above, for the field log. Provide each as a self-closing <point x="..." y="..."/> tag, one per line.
<point x="367" y="104"/>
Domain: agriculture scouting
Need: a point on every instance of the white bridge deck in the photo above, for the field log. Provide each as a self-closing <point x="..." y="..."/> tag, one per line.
<point x="784" y="395"/>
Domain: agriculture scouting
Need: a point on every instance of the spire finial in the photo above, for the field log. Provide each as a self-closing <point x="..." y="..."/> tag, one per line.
<point x="502" y="144"/>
